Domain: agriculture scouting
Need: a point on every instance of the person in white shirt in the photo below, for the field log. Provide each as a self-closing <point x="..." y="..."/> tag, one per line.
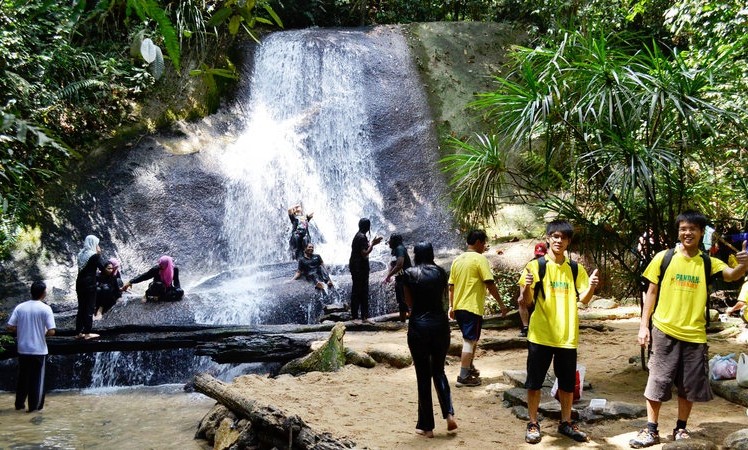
<point x="32" y="321"/>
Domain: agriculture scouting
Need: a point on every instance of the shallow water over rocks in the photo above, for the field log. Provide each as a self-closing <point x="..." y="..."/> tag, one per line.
<point x="111" y="418"/>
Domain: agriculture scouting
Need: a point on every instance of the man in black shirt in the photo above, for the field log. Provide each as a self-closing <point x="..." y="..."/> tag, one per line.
<point x="313" y="269"/>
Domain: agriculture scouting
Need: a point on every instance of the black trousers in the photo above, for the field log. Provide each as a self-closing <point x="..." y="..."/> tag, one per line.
<point x="31" y="370"/>
<point x="360" y="292"/>
<point x="428" y="340"/>
<point x="86" y="309"/>
<point x="400" y="295"/>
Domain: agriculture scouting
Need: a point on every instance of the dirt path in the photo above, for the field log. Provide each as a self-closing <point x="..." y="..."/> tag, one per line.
<point x="377" y="407"/>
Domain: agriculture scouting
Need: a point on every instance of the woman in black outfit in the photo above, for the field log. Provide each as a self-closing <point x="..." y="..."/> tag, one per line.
<point x="108" y="288"/>
<point x="428" y="336"/>
<point x="165" y="281"/>
<point x="89" y="262"/>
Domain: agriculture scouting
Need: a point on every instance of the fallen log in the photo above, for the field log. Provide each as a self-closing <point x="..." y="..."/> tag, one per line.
<point x="273" y="427"/>
<point x="256" y="348"/>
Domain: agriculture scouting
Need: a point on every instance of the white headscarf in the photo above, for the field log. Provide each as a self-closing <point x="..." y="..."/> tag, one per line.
<point x="90" y="243"/>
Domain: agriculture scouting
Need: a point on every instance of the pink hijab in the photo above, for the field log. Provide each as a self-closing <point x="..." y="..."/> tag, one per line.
<point x="115" y="266"/>
<point x="166" y="270"/>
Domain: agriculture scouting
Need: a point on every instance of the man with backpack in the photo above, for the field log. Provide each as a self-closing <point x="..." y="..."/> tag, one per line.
<point x="676" y="302"/>
<point x="552" y="283"/>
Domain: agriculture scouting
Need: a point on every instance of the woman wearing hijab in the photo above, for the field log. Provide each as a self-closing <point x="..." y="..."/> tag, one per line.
<point x="89" y="262"/>
<point x="428" y="336"/>
<point x="165" y="281"/>
<point x="108" y="288"/>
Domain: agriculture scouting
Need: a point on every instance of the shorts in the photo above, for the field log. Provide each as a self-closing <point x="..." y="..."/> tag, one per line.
<point x="470" y="324"/>
<point x="679" y="363"/>
<point x="539" y="360"/>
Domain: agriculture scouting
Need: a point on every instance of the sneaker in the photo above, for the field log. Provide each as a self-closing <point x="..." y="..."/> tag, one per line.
<point x="681" y="433"/>
<point x="468" y="381"/>
<point x="523" y="332"/>
<point x="571" y="430"/>
<point x="645" y="438"/>
<point x="532" y="436"/>
<point x="474" y="372"/>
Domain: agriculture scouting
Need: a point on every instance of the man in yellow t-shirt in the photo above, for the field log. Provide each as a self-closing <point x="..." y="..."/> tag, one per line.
<point x="469" y="278"/>
<point x="679" y="351"/>
<point x="554" y="327"/>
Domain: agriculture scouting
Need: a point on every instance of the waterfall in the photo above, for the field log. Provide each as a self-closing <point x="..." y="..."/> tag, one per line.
<point x="305" y="137"/>
<point x="304" y="140"/>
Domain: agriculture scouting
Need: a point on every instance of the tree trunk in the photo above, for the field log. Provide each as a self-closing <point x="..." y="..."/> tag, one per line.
<point x="273" y="427"/>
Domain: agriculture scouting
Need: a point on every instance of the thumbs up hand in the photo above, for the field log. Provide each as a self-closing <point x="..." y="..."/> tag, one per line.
<point x="742" y="256"/>
<point x="594" y="279"/>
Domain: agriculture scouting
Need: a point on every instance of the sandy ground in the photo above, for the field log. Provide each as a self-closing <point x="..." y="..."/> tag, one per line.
<point x="377" y="407"/>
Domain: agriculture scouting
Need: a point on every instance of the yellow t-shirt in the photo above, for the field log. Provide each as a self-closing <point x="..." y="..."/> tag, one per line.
<point x="555" y="322"/>
<point x="743" y="295"/>
<point x="469" y="274"/>
<point x="680" y="311"/>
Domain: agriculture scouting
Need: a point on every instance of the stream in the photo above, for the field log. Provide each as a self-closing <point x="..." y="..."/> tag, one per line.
<point x="159" y="417"/>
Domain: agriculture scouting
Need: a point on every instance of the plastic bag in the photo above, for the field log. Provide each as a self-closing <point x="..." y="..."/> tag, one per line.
<point x="723" y="367"/>
<point x="578" y="384"/>
<point x="742" y="371"/>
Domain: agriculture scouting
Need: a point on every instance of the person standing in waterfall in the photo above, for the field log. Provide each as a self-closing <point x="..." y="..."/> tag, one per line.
<point x="358" y="264"/>
<point x="32" y="321"/>
<point x="469" y="278"/>
<point x="89" y="263"/>
<point x="399" y="263"/>
<point x="425" y="288"/>
<point x="299" y="230"/>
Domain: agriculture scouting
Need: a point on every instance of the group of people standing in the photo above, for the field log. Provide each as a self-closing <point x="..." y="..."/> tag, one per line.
<point x="311" y="267"/>
<point x="550" y="287"/>
<point x="99" y="285"/>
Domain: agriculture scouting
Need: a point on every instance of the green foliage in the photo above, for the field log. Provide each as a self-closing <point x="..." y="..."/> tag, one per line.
<point x="65" y="83"/>
<point x="506" y="283"/>
<point x="236" y="14"/>
<point x="5" y="340"/>
<point x="631" y="130"/>
<point x="150" y="9"/>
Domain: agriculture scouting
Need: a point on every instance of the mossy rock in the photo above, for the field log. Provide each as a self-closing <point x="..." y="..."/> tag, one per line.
<point x="330" y="357"/>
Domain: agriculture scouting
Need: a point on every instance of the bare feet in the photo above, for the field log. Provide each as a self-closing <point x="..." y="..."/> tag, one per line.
<point x="80" y="336"/>
<point x="98" y="316"/>
<point x="451" y="423"/>
<point x="425" y="433"/>
<point x="90" y="336"/>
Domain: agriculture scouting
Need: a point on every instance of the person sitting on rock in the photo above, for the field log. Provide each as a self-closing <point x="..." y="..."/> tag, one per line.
<point x="108" y="288"/>
<point x="165" y="285"/>
<point x="313" y="269"/>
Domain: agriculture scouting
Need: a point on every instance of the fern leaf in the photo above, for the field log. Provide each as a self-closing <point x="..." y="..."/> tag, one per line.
<point x="73" y="89"/>
<point x="150" y="9"/>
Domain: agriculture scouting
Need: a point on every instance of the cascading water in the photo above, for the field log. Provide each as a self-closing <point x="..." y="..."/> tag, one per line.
<point x="335" y="119"/>
<point x="305" y="139"/>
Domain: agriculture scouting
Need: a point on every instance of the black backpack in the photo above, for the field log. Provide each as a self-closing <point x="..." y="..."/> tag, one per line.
<point x="541" y="274"/>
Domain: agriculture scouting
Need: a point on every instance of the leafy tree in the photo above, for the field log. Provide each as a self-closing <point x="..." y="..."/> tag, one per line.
<point x="65" y="82"/>
<point x="614" y="134"/>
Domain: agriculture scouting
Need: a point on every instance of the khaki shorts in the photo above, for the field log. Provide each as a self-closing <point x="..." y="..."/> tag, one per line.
<point x="684" y="365"/>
